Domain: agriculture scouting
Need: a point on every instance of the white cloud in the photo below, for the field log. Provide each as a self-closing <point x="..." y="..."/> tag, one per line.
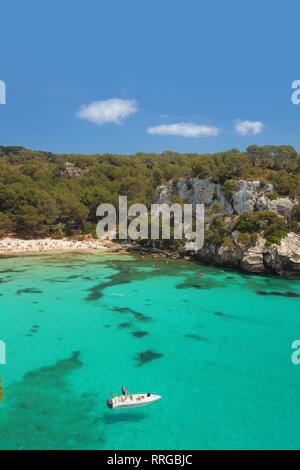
<point x="184" y="129"/>
<point x="112" y="110"/>
<point x="248" y="127"/>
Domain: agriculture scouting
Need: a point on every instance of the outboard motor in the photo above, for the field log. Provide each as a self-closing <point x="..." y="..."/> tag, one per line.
<point x="109" y="403"/>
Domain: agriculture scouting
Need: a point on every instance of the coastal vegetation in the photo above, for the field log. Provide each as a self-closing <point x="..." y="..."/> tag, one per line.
<point x="43" y="194"/>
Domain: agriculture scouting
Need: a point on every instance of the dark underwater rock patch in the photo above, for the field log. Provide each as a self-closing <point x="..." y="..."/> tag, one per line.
<point x="34" y="329"/>
<point x="123" y="276"/>
<point x="195" y="337"/>
<point x="122" y="310"/>
<point x="225" y="315"/>
<point x="138" y="315"/>
<point x="95" y="293"/>
<point x="139" y="334"/>
<point x="56" y="281"/>
<point x="63" y="279"/>
<point x="280" y="294"/>
<point x="141" y="316"/>
<point x="124" y="325"/>
<point x="67" y="266"/>
<point x="127" y="272"/>
<point x="197" y="282"/>
<point x="29" y="290"/>
<point x="145" y="357"/>
<point x="11" y="270"/>
<point x="191" y="286"/>
<point x="42" y="406"/>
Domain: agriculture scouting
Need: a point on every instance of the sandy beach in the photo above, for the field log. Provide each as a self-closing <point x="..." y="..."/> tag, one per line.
<point x="17" y="245"/>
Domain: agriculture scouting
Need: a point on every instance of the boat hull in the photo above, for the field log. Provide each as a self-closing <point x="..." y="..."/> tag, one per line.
<point x="137" y="400"/>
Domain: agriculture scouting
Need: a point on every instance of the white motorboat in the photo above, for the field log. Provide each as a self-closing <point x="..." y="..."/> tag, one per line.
<point x="133" y="400"/>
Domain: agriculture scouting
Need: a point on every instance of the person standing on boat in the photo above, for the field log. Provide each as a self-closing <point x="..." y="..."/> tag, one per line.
<point x="124" y="390"/>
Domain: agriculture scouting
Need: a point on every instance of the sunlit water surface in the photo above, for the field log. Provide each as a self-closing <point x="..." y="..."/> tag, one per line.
<point x="217" y="348"/>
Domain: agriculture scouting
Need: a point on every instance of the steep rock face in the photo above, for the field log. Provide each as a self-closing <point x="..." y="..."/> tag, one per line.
<point x="193" y="191"/>
<point x="284" y="258"/>
<point x="71" y="171"/>
<point x="253" y="259"/>
<point x="247" y="259"/>
<point x="247" y="196"/>
<point x="282" y="206"/>
<point x="221" y="256"/>
<point x="280" y="259"/>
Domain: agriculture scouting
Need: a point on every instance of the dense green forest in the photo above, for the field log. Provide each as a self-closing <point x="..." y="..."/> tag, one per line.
<point x="44" y="194"/>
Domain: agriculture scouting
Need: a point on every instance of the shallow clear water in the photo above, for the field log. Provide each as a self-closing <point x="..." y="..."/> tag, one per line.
<point x="218" y="349"/>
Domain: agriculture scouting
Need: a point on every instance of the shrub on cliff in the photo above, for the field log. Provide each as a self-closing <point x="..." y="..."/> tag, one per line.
<point x="272" y="226"/>
<point x="229" y="188"/>
<point x="217" y="232"/>
<point x="296" y="213"/>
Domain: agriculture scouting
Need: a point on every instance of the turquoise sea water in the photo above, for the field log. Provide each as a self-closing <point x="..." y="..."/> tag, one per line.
<point x="218" y="349"/>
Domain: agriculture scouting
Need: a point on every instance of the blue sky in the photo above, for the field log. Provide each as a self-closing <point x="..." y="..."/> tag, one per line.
<point x="189" y="76"/>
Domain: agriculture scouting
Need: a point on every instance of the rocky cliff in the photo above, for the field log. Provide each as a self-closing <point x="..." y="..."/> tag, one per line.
<point x="242" y="196"/>
<point x="281" y="259"/>
<point x="230" y="201"/>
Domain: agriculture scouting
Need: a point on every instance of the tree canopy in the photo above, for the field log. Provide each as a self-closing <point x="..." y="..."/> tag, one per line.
<point x="44" y="194"/>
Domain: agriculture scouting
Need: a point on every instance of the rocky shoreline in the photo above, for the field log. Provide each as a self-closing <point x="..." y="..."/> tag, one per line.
<point x="283" y="259"/>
